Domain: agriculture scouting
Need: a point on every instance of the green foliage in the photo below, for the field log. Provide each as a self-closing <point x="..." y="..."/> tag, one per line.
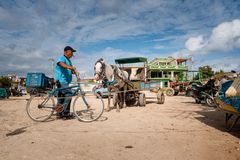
<point x="181" y="76"/>
<point x="5" y="82"/>
<point x="219" y="74"/>
<point x="196" y="77"/>
<point x="206" y="71"/>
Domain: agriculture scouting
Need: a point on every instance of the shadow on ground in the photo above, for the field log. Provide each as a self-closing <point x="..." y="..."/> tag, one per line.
<point x="216" y="119"/>
<point x="17" y="131"/>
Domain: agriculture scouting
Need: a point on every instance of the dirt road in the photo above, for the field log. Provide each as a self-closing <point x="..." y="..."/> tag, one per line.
<point x="178" y="129"/>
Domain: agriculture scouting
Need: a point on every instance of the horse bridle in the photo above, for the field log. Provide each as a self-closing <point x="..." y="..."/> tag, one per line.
<point x="100" y="74"/>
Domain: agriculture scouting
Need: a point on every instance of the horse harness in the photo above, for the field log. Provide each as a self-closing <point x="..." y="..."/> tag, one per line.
<point x="114" y="81"/>
<point x="103" y="67"/>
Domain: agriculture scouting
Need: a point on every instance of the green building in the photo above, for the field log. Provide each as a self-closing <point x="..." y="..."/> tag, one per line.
<point x="167" y="69"/>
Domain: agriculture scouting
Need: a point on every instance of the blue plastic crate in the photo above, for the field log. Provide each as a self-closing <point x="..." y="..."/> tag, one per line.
<point x="37" y="80"/>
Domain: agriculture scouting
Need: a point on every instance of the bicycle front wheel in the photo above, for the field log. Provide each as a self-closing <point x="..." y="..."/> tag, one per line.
<point x="40" y="107"/>
<point x="88" y="108"/>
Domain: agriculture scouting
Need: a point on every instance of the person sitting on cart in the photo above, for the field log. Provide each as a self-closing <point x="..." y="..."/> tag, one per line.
<point x="63" y="76"/>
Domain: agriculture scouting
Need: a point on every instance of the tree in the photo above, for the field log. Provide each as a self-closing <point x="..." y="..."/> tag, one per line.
<point x="206" y="71"/>
<point x="196" y="77"/>
<point x="221" y="72"/>
<point x="5" y="82"/>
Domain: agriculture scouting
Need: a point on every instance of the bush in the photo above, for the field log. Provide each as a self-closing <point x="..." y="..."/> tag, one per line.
<point x="5" y="82"/>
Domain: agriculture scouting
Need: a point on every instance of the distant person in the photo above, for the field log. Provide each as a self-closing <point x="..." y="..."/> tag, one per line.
<point x="63" y="76"/>
<point x="176" y="78"/>
<point x="217" y="83"/>
<point x="223" y="80"/>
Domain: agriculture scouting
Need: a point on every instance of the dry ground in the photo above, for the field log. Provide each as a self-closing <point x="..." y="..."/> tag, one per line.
<point x="178" y="129"/>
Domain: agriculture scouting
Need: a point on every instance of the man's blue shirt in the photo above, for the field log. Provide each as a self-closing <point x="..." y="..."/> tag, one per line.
<point x="63" y="75"/>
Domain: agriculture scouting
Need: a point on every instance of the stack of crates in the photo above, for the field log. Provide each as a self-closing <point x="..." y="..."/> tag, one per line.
<point x="38" y="80"/>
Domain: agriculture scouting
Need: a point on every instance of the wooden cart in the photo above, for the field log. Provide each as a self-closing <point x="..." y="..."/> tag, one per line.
<point x="139" y="88"/>
<point x="231" y="105"/>
<point x="231" y="113"/>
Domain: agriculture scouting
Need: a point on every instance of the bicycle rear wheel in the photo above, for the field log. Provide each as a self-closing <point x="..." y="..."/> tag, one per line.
<point x="40" y="107"/>
<point x="88" y="108"/>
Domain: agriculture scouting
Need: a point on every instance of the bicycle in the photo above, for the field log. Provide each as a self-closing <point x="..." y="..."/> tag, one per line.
<point x="86" y="108"/>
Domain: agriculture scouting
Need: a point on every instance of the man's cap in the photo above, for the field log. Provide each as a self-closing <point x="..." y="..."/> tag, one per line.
<point x="69" y="48"/>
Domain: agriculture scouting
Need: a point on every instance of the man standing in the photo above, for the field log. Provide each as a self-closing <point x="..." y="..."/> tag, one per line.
<point x="63" y="76"/>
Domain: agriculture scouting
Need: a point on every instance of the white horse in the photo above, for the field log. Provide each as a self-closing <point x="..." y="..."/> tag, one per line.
<point x="116" y="79"/>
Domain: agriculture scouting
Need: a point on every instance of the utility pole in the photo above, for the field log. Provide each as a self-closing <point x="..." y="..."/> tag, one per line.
<point x="53" y="66"/>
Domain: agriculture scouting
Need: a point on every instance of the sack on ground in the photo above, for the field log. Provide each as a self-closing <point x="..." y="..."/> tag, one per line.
<point x="234" y="89"/>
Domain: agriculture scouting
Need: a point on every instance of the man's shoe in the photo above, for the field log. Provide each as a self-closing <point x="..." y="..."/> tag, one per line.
<point x="69" y="116"/>
<point x="59" y="116"/>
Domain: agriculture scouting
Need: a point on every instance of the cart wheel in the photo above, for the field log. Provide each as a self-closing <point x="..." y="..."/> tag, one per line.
<point x="189" y="93"/>
<point x="170" y="92"/>
<point x="176" y="92"/>
<point x="142" y="100"/>
<point x="232" y="124"/>
<point x="160" y="98"/>
<point x="130" y="99"/>
<point x="197" y="101"/>
<point x="33" y="92"/>
<point x="210" y="102"/>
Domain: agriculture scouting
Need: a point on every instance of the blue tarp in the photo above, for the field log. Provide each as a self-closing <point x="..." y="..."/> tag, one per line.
<point x="232" y="101"/>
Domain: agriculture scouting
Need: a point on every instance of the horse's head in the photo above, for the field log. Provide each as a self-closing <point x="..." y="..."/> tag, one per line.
<point x="99" y="69"/>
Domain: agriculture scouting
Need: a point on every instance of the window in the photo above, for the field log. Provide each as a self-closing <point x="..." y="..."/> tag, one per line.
<point x="165" y="74"/>
<point x="153" y="74"/>
<point x="166" y="84"/>
<point x="156" y="74"/>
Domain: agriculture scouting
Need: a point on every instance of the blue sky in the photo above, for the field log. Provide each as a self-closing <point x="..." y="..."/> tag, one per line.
<point x="33" y="31"/>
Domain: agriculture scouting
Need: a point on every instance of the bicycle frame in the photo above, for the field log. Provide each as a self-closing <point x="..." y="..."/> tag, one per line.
<point x="57" y="90"/>
<point x="41" y="107"/>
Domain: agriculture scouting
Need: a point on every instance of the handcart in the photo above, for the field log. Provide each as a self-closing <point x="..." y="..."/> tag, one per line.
<point x="230" y="105"/>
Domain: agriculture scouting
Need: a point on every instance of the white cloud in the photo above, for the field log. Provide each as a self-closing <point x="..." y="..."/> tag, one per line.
<point x="195" y="43"/>
<point x="224" y="37"/>
<point x="33" y="31"/>
<point x="182" y="54"/>
<point x="166" y="38"/>
<point x="158" y="46"/>
<point x="229" y="63"/>
<point x="85" y="61"/>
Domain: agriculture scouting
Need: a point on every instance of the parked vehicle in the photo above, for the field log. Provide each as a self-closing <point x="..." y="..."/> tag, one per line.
<point x="16" y="92"/>
<point x="5" y="84"/>
<point x="176" y="87"/>
<point x="101" y="90"/>
<point x="4" y="93"/>
<point x="189" y="92"/>
<point x="204" y="92"/>
<point x="229" y="104"/>
<point x="23" y="91"/>
<point x="140" y="86"/>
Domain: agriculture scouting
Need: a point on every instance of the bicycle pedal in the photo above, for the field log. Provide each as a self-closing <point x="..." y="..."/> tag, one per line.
<point x="59" y="108"/>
